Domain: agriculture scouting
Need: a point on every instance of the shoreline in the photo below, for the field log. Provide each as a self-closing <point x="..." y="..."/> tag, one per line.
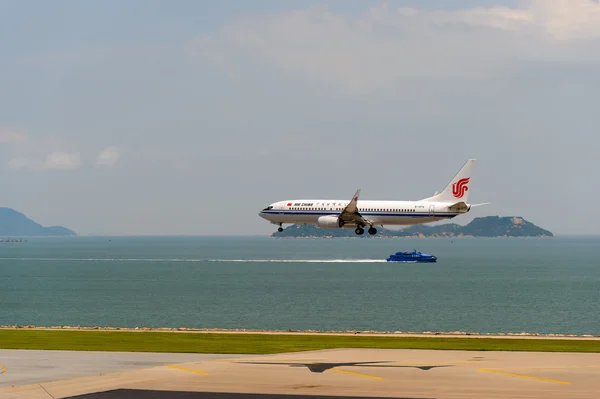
<point x="365" y="333"/>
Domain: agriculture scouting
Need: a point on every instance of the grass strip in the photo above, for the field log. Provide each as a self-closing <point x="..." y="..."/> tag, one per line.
<point x="266" y="343"/>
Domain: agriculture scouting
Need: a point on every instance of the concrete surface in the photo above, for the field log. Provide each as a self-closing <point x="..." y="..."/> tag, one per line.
<point x="32" y="366"/>
<point x="145" y="394"/>
<point x="340" y="372"/>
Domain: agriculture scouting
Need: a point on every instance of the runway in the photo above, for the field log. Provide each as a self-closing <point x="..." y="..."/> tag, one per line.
<point x="365" y="373"/>
<point x="23" y="367"/>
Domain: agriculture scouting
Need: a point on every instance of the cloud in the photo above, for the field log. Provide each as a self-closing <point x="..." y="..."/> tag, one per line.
<point x="385" y="45"/>
<point x="55" y="160"/>
<point x="36" y="152"/>
<point x="8" y="136"/>
<point x="108" y="157"/>
<point x="25" y="163"/>
<point x="566" y="19"/>
<point x="62" y="160"/>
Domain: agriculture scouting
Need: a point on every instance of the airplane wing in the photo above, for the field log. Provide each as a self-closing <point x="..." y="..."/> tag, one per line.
<point x="350" y="214"/>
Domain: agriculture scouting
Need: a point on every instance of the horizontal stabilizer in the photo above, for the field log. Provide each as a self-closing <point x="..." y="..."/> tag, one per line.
<point x="484" y="203"/>
<point x="459" y="206"/>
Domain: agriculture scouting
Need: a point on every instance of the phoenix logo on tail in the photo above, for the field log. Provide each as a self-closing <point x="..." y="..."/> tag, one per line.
<point x="459" y="188"/>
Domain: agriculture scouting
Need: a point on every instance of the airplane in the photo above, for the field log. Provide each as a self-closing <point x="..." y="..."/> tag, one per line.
<point x="451" y="202"/>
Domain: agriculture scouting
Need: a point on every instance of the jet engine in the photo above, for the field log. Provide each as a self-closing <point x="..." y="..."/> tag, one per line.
<point x="329" y="222"/>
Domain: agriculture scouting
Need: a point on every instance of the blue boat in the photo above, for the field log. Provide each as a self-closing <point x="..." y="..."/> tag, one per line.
<point x="411" y="257"/>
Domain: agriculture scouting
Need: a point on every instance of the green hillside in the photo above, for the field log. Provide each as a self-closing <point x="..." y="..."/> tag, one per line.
<point x="489" y="226"/>
<point x="13" y="223"/>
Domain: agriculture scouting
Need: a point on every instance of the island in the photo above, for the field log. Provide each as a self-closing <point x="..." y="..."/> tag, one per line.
<point x="488" y="226"/>
<point x="14" y="223"/>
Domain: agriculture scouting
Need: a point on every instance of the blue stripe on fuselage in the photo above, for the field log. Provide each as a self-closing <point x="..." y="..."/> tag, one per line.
<point x="325" y="213"/>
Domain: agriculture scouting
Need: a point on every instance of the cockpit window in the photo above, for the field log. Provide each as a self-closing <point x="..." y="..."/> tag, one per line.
<point x="268" y="208"/>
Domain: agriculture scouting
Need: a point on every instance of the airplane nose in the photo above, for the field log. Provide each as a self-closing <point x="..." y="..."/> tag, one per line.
<point x="261" y="214"/>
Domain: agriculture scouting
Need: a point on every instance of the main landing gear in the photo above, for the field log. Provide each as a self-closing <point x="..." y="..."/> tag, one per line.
<point x="360" y="231"/>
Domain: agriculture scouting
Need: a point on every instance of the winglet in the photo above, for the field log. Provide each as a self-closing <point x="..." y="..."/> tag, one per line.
<point x="352" y="205"/>
<point x="355" y="198"/>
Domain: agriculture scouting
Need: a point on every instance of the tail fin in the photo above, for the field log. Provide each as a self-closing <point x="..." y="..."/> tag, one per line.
<point x="458" y="188"/>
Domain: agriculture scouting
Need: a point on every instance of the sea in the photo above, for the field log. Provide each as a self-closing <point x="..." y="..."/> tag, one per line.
<point x="484" y="285"/>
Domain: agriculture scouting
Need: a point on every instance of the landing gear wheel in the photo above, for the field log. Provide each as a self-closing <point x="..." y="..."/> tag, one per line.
<point x="359" y="231"/>
<point x="280" y="229"/>
<point x="372" y="230"/>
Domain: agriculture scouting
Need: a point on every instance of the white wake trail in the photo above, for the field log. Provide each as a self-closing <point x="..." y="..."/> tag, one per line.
<point x="197" y="260"/>
<point x="300" y="260"/>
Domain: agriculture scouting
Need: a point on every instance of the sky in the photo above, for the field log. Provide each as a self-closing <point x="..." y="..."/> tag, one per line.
<point x="187" y="117"/>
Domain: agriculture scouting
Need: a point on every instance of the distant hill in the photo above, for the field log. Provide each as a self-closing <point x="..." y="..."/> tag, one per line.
<point x="489" y="226"/>
<point x="13" y="223"/>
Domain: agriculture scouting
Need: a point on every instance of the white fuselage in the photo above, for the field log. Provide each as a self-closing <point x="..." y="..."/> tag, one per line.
<point x="452" y="201"/>
<point x="379" y="212"/>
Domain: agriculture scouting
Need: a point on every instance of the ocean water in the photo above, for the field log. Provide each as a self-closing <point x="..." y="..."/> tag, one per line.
<point x="479" y="285"/>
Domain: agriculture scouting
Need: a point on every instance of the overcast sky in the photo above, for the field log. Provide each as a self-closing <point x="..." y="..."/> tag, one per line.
<point x="188" y="117"/>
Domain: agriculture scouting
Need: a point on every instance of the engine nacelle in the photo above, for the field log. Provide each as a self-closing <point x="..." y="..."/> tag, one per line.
<point x="328" y="222"/>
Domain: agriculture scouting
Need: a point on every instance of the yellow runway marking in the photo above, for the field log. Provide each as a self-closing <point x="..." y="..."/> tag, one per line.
<point x="186" y="369"/>
<point x="2" y="369"/>
<point x="243" y="360"/>
<point x="356" y="374"/>
<point x="522" y="376"/>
